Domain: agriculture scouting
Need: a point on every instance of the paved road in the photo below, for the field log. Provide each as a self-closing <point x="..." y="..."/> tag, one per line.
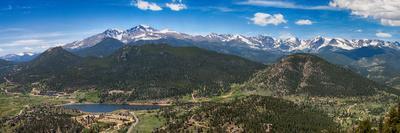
<point x="130" y="130"/>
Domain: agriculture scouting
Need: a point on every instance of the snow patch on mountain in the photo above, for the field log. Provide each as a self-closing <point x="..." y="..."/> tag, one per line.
<point x="144" y="32"/>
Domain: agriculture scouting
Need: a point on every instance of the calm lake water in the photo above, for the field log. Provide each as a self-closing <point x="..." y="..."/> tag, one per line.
<point x="103" y="108"/>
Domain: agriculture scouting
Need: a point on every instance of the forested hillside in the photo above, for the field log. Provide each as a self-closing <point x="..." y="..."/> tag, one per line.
<point x="310" y="75"/>
<point x="149" y="71"/>
<point x="250" y="114"/>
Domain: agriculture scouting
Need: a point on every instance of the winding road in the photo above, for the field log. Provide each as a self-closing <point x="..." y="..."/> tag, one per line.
<point x="130" y="130"/>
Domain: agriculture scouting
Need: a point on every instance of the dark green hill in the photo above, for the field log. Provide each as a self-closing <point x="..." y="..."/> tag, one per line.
<point x="311" y="75"/>
<point x="53" y="59"/>
<point x="149" y="71"/>
<point x="102" y="49"/>
<point x="51" y="64"/>
<point x="164" y="70"/>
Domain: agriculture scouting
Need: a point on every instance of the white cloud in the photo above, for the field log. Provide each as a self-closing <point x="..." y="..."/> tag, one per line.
<point x="359" y="30"/>
<point x="24" y="42"/>
<point x="28" y="48"/>
<point x="283" y="4"/>
<point x="28" y="42"/>
<point x="304" y="22"/>
<point x="1" y="49"/>
<point x="264" y="19"/>
<point x="383" y="35"/>
<point x="386" y="11"/>
<point x="144" y="5"/>
<point x="223" y="9"/>
<point x="176" y="6"/>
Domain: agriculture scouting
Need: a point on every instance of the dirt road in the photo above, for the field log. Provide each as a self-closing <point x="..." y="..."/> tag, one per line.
<point x="130" y="130"/>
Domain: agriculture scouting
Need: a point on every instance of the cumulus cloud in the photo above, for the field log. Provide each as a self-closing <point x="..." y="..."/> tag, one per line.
<point x="263" y="19"/>
<point x="304" y="22"/>
<point x="176" y="5"/>
<point x="144" y="5"/>
<point x="383" y="35"/>
<point x="284" y="4"/>
<point x="385" y="11"/>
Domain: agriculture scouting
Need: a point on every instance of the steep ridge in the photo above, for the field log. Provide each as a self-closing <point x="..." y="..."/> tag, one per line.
<point x="310" y="75"/>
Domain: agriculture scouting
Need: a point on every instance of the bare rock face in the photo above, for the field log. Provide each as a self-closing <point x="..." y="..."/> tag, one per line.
<point x="310" y="75"/>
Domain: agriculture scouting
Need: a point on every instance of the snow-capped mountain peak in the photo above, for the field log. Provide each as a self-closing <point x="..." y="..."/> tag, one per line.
<point x="141" y="29"/>
<point x="140" y="32"/>
<point x="144" y="32"/>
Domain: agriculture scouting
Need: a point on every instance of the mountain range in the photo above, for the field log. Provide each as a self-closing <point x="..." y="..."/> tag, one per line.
<point x="375" y="59"/>
<point x="266" y="43"/>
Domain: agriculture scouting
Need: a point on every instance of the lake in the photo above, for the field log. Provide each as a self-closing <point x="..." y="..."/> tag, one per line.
<point x="104" y="108"/>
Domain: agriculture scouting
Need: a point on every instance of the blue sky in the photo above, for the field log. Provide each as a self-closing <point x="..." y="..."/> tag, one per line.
<point x="35" y="25"/>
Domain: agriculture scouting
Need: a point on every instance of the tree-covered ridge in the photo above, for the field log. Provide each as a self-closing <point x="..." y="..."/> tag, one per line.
<point x="250" y="114"/>
<point x="149" y="71"/>
<point x="311" y="75"/>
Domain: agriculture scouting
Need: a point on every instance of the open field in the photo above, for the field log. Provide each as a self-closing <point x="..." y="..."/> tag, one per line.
<point x="12" y="104"/>
<point x="148" y="120"/>
<point x="91" y="96"/>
